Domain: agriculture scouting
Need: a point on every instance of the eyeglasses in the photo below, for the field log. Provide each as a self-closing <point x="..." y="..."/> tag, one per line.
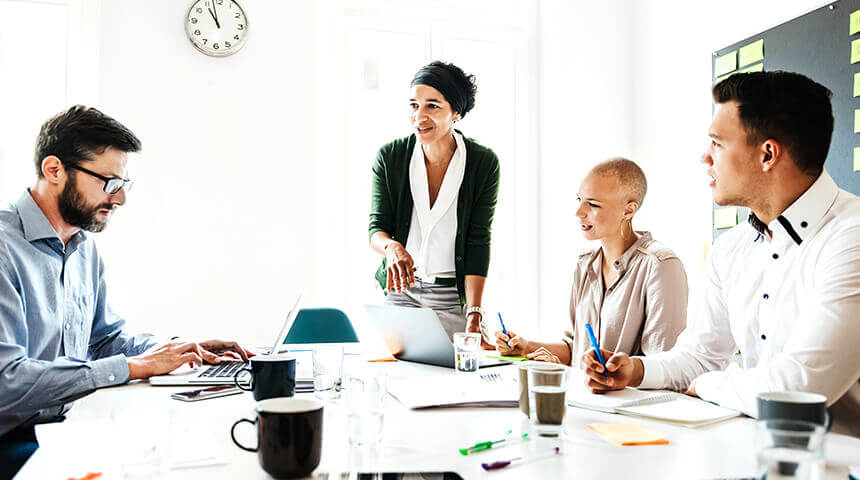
<point x="112" y="184"/>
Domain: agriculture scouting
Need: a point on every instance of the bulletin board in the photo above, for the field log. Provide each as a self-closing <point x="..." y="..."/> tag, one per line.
<point x="824" y="45"/>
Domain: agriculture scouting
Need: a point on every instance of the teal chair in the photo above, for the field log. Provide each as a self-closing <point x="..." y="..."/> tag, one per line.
<point x="321" y="325"/>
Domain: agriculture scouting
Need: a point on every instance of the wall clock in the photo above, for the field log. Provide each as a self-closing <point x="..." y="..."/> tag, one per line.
<point x="216" y="27"/>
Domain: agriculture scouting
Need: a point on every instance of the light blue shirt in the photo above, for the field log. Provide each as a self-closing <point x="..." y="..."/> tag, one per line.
<point x="59" y="340"/>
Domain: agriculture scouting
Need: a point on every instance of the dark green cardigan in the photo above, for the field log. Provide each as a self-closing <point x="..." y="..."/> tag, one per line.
<point x="391" y="204"/>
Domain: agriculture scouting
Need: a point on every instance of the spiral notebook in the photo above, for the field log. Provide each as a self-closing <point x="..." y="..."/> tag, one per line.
<point x="665" y="406"/>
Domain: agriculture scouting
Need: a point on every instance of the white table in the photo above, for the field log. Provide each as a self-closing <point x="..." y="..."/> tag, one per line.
<point x="425" y="440"/>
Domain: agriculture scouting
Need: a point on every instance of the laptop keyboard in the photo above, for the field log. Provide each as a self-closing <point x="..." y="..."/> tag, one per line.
<point x="223" y="370"/>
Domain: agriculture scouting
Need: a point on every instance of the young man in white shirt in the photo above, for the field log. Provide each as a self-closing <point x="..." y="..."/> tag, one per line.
<point x="784" y="288"/>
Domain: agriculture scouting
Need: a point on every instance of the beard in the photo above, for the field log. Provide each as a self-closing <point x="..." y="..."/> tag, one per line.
<point x="76" y="212"/>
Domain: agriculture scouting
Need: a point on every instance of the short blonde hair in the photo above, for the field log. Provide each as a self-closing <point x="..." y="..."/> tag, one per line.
<point x="629" y="175"/>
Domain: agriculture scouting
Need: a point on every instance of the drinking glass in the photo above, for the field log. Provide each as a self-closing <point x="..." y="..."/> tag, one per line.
<point x="328" y="371"/>
<point x="365" y="397"/>
<point x="467" y="350"/>
<point x="547" y="400"/>
<point x="790" y="449"/>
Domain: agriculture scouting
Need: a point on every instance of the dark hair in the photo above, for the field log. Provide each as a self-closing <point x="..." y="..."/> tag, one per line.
<point x="453" y="83"/>
<point x="74" y="135"/>
<point x="784" y="106"/>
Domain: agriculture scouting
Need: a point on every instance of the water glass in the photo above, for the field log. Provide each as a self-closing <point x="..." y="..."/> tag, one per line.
<point x="547" y="400"/>
<point x="365" y="398"/>
<point x="328" y="371"/>
<point x="467" y="351"/>
<point x="790" y="449"/>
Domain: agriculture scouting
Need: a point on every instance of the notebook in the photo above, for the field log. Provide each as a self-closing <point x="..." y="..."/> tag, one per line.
<point x="665" y="406"/>
<point x="464" y="390"/>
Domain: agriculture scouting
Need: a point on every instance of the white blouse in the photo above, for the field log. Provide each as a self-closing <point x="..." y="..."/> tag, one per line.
<point x="433" y="231"/>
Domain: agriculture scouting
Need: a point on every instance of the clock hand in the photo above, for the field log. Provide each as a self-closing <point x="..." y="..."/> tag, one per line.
<point x="215" y="13"/>
<point x="214" y="17"/>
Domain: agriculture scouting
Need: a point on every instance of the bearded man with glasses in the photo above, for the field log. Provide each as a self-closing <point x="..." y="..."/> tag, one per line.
<point x="59" y="339"/>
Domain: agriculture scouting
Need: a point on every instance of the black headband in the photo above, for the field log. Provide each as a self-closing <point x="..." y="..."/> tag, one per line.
<point x="443" y="80"/>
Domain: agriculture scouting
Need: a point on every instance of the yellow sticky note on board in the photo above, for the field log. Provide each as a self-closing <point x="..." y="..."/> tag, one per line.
<point x="855" y="51"/>
<point x="857" y="84"/>
<point x="628" y="434"/>
<point x="856" y="121"/>
<point x="726" y="63"/>
<point x="758" y="67"/>
<point x="857" y="159"/>
<point x="855" y="22"/>
<point x="725" y="217"/>
<point x="754" y="52"/>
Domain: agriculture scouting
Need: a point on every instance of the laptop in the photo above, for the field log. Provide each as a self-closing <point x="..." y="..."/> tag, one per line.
<point x="222" y="373"/>
<point x="417" y="335"/>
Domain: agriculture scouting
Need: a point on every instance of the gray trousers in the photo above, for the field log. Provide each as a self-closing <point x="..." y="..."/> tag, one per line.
<point x="445" y="301"/>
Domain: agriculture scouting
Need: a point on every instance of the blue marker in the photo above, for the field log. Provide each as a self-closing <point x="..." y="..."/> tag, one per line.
<point x="504" y="330"/>
<point x="596" y="348"/>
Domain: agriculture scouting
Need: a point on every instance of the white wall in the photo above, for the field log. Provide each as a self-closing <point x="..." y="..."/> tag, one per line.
<point x="672" y="43"/>
<point x="224" y="140"/>
<point x="586" y="116"/>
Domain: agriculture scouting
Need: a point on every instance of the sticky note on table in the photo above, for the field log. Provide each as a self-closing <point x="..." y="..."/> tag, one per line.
<point x="628" y="434"/>
<point x="758" y="67"/>
<point x="726" y="63"/>
<point x="754" y="52"/>
<point x="855" y="22"/>
<point x="855" y="51"/>
<point x="725" y="217"/>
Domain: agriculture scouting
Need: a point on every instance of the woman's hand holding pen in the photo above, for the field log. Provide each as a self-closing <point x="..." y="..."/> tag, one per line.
<point x="511" y="344"/>
<point x="623" y="371"/>
<point x="401" y="267"/>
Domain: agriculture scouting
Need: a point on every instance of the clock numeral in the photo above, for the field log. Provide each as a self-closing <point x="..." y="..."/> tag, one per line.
<point x="227" y="45"/>
<point x="235" y="37"/>
<point x="199" y="10"/>
<point x="194" y="21"/>
<point x="205" y="40"/>
<point x="206" y="4"/>
<point x="215" y="46"/>
<point x="196" y="32"/>
<point x="219" y="2"/>
<point x="238" y="15"/>
<point x="240" y="26"/>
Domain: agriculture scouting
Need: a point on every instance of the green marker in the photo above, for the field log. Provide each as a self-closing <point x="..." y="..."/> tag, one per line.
<point x="482" y="446"/>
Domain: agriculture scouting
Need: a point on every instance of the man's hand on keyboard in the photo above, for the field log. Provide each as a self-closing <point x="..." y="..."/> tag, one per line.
<point x="225" y="350"/>
<point x="168" y="357"/>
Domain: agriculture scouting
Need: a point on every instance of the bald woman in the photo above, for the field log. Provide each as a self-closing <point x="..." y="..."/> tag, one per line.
<point x="632" y="289"/>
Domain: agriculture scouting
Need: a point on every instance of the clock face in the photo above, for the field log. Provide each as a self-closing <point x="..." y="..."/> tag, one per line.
<point x="216" y="27"/>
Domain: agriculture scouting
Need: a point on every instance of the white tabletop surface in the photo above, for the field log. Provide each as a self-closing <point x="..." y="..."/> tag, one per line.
<point x="426" y="440"/>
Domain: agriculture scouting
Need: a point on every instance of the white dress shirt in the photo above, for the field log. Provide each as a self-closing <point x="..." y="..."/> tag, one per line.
<point x="790" y="302"/>
<point x="433" y="231"/>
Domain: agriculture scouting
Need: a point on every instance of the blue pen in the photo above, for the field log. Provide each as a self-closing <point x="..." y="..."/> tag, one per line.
<point x="596" y="348"/>
<point x="504" y="330"/>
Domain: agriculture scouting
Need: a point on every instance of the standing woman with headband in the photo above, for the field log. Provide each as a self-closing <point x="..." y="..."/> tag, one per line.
<point x="432" y="204"/>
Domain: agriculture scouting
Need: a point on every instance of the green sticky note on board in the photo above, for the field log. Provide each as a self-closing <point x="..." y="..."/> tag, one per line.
<point x="855" y="51"/>
<point x="855" y="22"/>
<point x="857" y="159"/>
<point x="726" y="63"/>
<point x="857" y="84"/>
<point x="856" y="121"/>
<point x="725" y="217"/>
<point x="758" y="67"/>
<point x="754" y="52"/>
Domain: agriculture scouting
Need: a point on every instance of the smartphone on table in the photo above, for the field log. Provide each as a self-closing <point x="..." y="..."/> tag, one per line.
<point x="206" y="393"/>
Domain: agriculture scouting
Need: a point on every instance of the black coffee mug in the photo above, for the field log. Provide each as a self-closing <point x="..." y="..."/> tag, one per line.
<point x="289" y="436"/>
<point x="809" y="407"/>
<point x="271" y="377"/>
